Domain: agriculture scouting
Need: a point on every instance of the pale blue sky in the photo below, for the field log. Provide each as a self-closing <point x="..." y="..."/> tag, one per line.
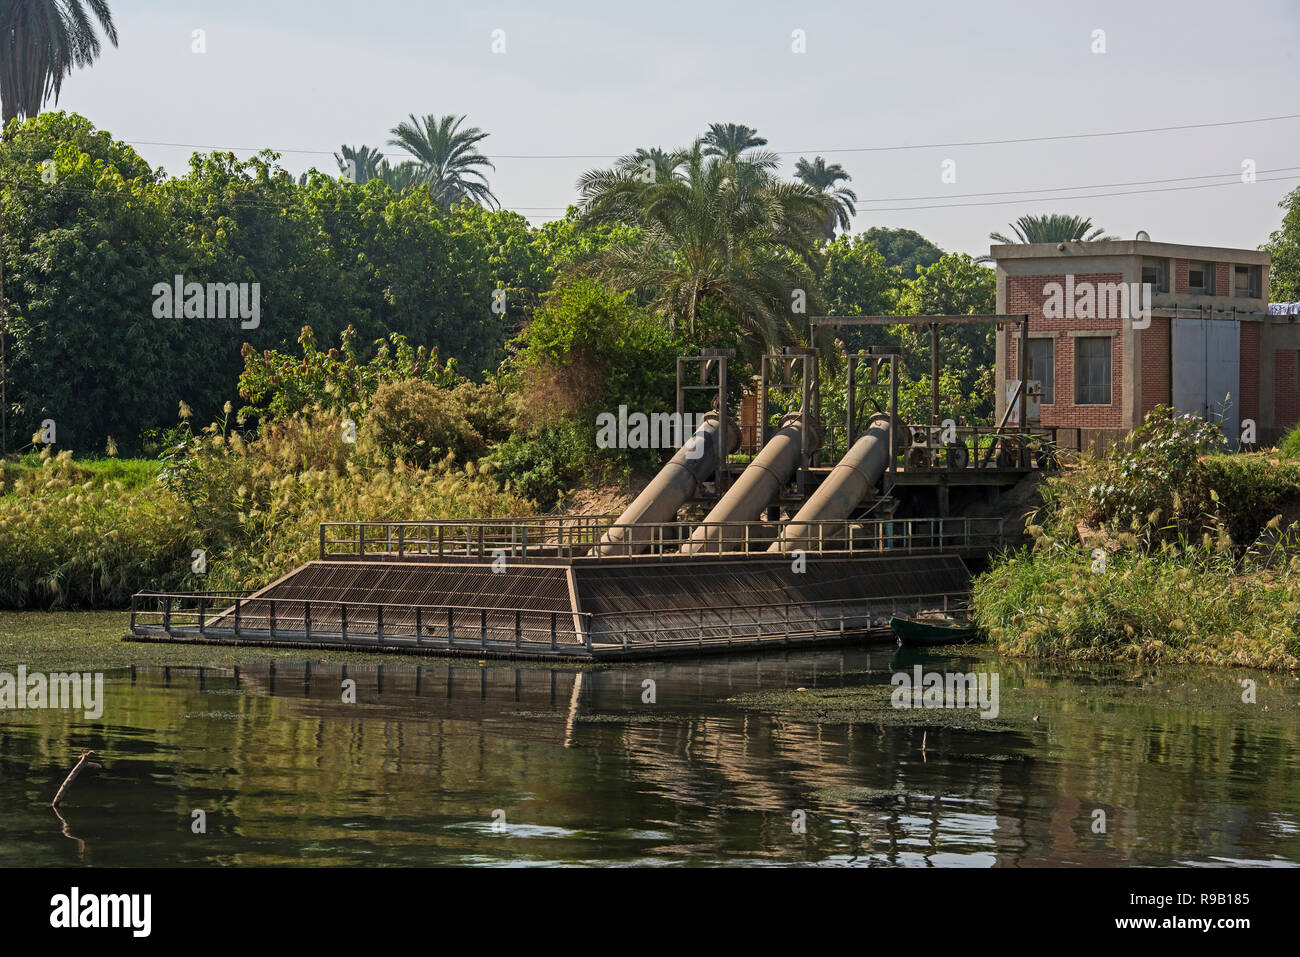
<point x="600" y="78"/>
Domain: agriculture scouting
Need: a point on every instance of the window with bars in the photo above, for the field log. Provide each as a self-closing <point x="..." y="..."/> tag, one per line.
<point x="1153" y="271"/>
<point x="1200" y="279"/>
<point x="1246" y="281"/>
<point x="1092" y="370"/>
<point x="1042" y="366"/>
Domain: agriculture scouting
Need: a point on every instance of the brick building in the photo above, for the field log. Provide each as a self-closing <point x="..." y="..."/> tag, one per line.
<point x="1106" y="354"/>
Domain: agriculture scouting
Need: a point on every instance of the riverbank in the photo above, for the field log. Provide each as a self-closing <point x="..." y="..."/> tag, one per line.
<point x="1158" y="554"/>
<point x="234" y="514"/>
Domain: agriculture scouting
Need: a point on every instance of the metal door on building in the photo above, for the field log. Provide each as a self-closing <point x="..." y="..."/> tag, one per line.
<point x="1207" y="370"/>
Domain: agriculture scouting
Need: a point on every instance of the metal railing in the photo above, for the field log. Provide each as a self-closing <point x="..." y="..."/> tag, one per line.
<point x="219" y="615"/>
<point x="214" y="616"/>
<point x="578" y="537"/>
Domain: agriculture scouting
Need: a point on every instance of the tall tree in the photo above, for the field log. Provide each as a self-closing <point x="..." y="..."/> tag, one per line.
<point x="903" y="249"/>
<point x="364" y="161"/>
<point x="721" y="236"/>
<point x="401" y="177"/>
<point x="730" y="140"/>
<point x="857" y="281"/>
<point x="653" y="162"/>
<point x="1284" y="244"/>
<point x="839" y="199"/>
<point x="43" y="41"/>
<point x="447" y="157"/>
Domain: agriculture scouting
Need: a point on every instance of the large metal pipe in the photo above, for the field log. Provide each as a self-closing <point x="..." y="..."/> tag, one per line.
<point x="757" y="485"/>
<point x="837" y="497"/>
<point x="676" y="482"/>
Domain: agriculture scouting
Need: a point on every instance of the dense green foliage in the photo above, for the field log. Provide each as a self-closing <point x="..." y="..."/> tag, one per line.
<point x="713" y="229"/>
<point x="277" y="384"/>
<point x="857" y="280"/>
<point x="1166" y="551"/>
<point x="1284" y="244"/>
<point x="1171" y="480"/>
<point x="84" y="252"/>
<point x="1290" y="447"/>
<point x="588" y="350"/>
<point x="721" y="251"/>
<point x="902" y="249"/>
<point x="78" y="536"/>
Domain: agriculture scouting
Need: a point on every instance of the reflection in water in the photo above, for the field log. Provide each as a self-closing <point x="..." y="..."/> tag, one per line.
<point x="461" y="763"/>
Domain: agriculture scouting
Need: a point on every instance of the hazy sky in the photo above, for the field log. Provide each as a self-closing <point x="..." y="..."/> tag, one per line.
<point x="588" y="81"/>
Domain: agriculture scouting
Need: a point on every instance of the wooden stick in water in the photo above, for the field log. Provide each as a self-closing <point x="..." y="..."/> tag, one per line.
<point x="72" y="775"/>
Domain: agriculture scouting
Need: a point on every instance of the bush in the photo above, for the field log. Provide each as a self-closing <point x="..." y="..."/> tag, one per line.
<point x="1199" y="565"/>
<point x="1290" y="447"/>
<point x="588" y="349"/>
<point x="420" y="424"/>
<point x="278" y="385"/>
<point x="1168" y="482"/>
<point x="544" y="466"/>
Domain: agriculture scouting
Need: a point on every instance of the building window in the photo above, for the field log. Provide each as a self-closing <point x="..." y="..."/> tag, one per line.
<point x="1092" y="370"/>
<point x="1245" y="281"/>
<point x="1200" y="279"/>
<point x="1042" y="366"/>
<point x="1153" y="271"/>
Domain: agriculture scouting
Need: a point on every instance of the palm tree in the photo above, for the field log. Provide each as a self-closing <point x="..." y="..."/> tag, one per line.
<point x="729" y="140"/>
<point x="365" y="162"/>
<point x="717" y="231"/>
<point x="737" y="143"/>
<point x="446" y="157"/>
<point x="1052" y="228"/>
<point x="43" y="41"/>
<point x="401" y="177"/>
<point x="620" y="201"/>
<point x="839" y="199"/>
<point x="664" y="163"/>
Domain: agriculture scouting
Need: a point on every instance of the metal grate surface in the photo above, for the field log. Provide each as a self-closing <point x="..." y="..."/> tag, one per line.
<point x="542" y="588"/>
<point x="751" y="598"/>
<point x="309" y="600"/>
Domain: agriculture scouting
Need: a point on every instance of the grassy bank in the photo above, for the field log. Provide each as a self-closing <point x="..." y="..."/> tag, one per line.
<point x="88" y="535"/>
<point x="1189" y="606"/>
<point x="1169" y="551"/>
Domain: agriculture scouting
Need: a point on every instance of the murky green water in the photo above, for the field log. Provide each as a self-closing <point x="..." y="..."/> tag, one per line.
<point x="471" y="764"/>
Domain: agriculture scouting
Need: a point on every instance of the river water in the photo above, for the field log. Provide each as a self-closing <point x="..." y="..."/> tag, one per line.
<point x="497" y="764"/>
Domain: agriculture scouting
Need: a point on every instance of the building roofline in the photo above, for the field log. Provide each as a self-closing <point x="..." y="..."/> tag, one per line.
<point x="1129" y="247"/>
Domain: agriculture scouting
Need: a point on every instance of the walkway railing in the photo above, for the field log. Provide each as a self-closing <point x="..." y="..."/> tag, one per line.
<point x="218" y="615"/>
<point x="578" y="537"/>
<point x="215" y="616"/>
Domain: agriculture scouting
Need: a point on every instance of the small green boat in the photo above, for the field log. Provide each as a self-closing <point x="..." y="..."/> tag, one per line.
<point x="920" y="632"/>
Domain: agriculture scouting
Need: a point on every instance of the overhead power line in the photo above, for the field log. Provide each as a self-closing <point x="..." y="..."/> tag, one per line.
<point x="1064" y="194"/>
<point x="845" y="149"/>
<point x="1070" y="198"/>
<point x="1026" y="192"/>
